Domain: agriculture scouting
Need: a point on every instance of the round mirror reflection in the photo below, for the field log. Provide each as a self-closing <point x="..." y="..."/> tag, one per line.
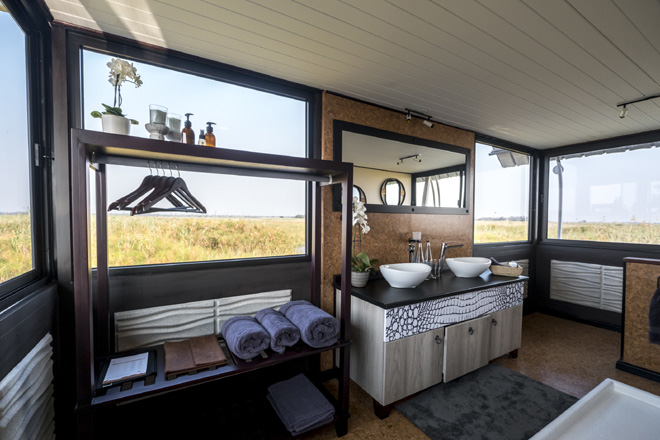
<point x="357" y="192"/>
<point x="392" y="192"/>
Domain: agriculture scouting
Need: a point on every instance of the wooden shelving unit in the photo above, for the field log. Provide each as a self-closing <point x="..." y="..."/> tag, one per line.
<point x="96" y="150"/>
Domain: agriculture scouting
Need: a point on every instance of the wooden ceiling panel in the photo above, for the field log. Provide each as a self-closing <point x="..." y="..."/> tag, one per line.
<point x="536" y="72"/>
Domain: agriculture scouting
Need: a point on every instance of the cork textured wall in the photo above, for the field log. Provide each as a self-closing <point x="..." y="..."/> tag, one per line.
<point x="388" y="238"/>
<point x="641" y="282"/>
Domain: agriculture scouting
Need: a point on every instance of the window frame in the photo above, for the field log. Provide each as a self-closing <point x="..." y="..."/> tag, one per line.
<point x="32" y="20"/>
<point x="532" y="221"/>
<point x="621" y="141"/>
<point x="169" y="59"/>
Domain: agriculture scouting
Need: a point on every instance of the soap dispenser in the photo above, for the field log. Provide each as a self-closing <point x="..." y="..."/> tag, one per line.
<point x="202" y="139"/>
<point x="187" y="134"/>
<point x="210" y="137"/>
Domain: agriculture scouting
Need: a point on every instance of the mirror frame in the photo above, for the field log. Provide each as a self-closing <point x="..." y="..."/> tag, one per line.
<point x="340" y="126"/>
<point x="383" y="191"/>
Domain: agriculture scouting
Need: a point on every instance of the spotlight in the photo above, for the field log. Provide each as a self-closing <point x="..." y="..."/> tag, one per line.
<point x="624" y="112"/>
<point x="428" y="123"/>
<point x="408" y="117"/>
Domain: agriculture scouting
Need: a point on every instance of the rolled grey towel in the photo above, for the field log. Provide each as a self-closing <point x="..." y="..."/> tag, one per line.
<point x="283" y="333"/>
<point x="318" y="329"/>
<point x="299" y="404"/>
<point x="245" y="337"/>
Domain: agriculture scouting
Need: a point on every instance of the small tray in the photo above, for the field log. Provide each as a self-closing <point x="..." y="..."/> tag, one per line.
<point x="506" y="271"/>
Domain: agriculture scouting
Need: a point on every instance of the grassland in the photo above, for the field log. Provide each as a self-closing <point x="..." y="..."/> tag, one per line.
<point x="501" y="231"/>
<point x="15" y="245"/>
<point x="152" y="240"/>
<point x="142" y="240"/>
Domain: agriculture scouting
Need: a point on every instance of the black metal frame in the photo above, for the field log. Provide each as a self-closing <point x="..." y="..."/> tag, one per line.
<point x="340" y="126"/>
<point x="33" y="20"/>
<point x="77" y="41"/>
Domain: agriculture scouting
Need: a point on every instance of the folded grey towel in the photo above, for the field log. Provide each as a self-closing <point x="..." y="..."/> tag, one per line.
<point x="299" y="404"/>
<point x="317" y="328"/>
<point x="283" y="333"/>
<point x="245" y="337"/>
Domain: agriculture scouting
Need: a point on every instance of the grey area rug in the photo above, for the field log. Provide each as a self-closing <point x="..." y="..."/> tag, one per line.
<point x="492" y="403"/>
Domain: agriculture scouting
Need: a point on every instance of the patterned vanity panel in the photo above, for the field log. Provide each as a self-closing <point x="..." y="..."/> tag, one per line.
<point x="412" y="319"/>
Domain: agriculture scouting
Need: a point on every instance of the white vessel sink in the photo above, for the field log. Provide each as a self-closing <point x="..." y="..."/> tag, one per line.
<point x="405" y="275"/>
<point x="468" y="267"/>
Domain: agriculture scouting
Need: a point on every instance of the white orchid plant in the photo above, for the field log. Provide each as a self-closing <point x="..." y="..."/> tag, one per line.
<point x="121" y="71"/>
<point x="360" y="262"/>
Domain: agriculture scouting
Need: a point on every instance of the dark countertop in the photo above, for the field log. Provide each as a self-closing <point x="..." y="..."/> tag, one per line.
<point x="380" y="293"/>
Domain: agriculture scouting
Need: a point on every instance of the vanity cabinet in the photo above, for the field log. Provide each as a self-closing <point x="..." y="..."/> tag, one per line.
<point x="505" y="331"/>
<point x="413" y="364"/>
<point x="403" y="343"/>
<point x="466" y="347"/>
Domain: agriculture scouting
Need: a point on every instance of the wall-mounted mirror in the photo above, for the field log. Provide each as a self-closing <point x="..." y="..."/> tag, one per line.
<point x="357" y="192"/>
<point x="392" y="192"/>
<point x="433" y="177"/>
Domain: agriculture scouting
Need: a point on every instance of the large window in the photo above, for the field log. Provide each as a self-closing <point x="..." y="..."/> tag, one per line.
<point x="246" y="217"/>
<point x="608" y="195"/>
<point x="501" y="207"/>
<point x="16" y="219"/>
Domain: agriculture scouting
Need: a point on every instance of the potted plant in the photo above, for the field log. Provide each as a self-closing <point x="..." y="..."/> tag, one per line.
<point x="113" y="119"/>
<point x="361" y="267"/>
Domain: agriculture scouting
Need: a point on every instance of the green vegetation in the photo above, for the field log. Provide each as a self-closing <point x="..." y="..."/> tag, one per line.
<point x="495" y="231"/>
<point x="15" y="245"/>
<point x="490" y="231"/>
<point x="141" y="240"/>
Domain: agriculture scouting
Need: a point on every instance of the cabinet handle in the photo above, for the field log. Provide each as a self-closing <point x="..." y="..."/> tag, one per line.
<point x="494" y="321"/>
<point x="438" y="340"/>
<point x="470" y="331"/>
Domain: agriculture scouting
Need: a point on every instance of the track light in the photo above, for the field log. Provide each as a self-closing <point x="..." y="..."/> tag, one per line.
<point x="415" y="157"/>
<point x="624" y="110"/>
<point x="410" y="112"/>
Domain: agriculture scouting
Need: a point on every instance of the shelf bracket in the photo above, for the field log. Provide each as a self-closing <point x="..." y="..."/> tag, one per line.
<point x="329" y="182"/>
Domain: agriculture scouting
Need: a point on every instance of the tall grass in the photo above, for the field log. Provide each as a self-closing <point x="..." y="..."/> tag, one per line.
<point x="15" y="245"/>
<point x="142" y="240"/>
<point x="488" y="231"/>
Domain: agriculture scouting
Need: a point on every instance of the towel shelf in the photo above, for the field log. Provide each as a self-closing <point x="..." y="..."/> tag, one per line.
<point x="161" y="384"/>
<point x="93" y="316"/>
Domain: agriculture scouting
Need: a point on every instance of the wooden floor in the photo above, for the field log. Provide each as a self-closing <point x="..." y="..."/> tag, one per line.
<point x="566" y="355"/>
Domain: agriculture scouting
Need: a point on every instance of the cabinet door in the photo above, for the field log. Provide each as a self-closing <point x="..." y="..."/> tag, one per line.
<point x="505" y="331"/>
<point x="466" y="347"/>
<point x="412" y="364"/>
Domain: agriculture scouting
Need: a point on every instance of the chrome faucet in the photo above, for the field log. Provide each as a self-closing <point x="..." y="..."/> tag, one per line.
<point x="443" y="252"/>
<point x="411" y="252"/>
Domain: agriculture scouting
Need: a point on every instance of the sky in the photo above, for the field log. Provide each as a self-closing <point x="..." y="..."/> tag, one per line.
<point x="246" y="119"/>
<point x="13" y="119"/>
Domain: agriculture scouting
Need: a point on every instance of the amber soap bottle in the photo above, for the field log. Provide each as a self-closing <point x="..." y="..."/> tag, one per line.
<point x="210" y="137"/>
<point x="187" y="134"/>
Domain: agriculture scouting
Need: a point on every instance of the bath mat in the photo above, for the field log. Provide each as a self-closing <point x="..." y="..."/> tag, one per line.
<point x="491" y="403"/>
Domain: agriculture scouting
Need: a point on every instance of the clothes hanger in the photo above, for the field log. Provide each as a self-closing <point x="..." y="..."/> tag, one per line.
<point x="178" y="186"/>
<point x="150" y="182"/>
<point x="166" y="188"/>
<point x="147" y="184"/>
